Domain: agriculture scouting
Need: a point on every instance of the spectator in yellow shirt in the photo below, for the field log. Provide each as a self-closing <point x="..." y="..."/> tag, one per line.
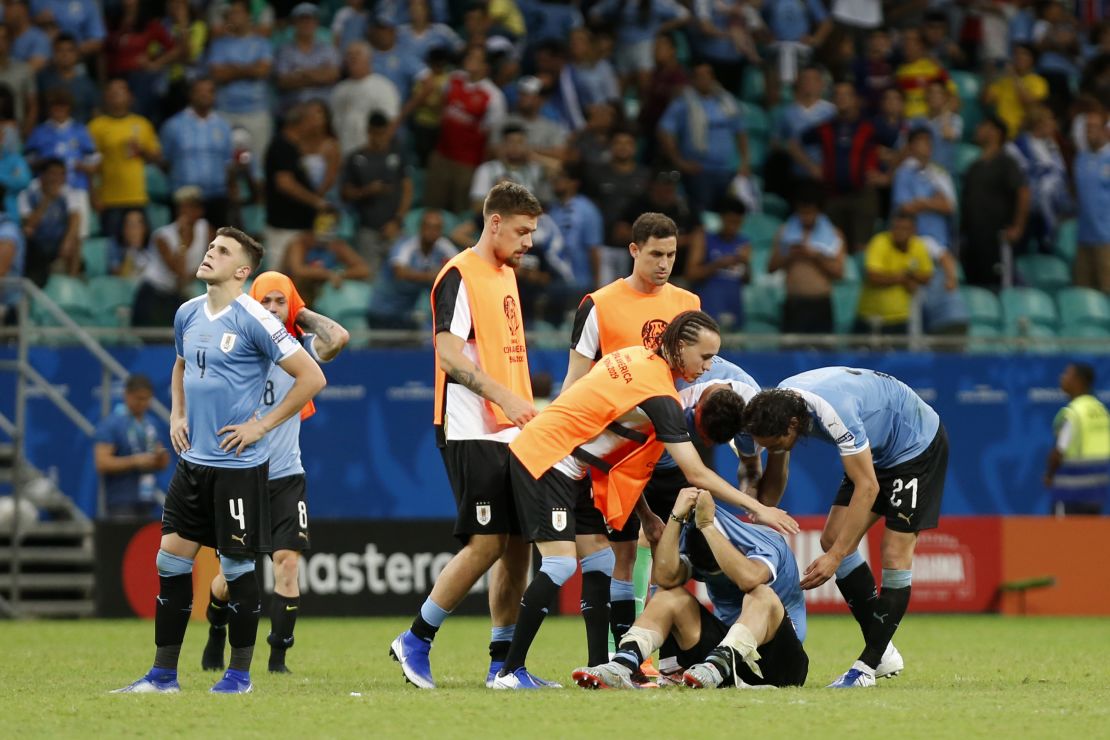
<point x="1017" y="90"/>
<point x="916" y="72"/>
<point x="896" y="264"/>
<point x="126" y="142"/>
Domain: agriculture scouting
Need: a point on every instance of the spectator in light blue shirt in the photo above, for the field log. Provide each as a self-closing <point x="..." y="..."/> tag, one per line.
<point x="306" y="67"/>
<point x="197" y="144"/>
<point x="702" y="131"/>
<point x="12" y="254"/>
<point x="350" y="23"/>
<point x="594" y="78"/>
<point x="808" y="110"/>
<point x="795" y="20"/>
<point x="30" y="43"/>
<point x="421" y="35"/>
<point x="61" y="137"/>
<point x="1092" y="188"/>
<point x="400" y="11"/>
<point x="582" y="227"/>
<point x="637" y="24"/>
<point x="409" y="273"/>
<point x="240" y="62"/>
<point x="549" y="20"/>
<point x="82" y="19"/>
<point x="391" y="60"/>
<point x="63" y="71"/>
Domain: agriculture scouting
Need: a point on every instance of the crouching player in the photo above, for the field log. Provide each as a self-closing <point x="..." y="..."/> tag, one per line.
<point x="753" y="637"/>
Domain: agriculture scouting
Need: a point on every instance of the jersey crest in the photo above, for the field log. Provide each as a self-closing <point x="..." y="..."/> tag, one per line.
<point x="227" y="341"/>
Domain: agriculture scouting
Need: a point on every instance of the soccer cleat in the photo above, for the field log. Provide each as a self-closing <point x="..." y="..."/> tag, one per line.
<point x="495" y="667"/>
<point x="891" y="664"/>
<point x="858" y="676"/>
<point x="213" y="657"/>
<point x="279" y="668"/>
<point x="522" y="679"/>
<point x="703" y="676"/>
<point x="648" y="669"/>
<point x="157" y="681"/>
<point x="412" y="653"/>
<point x="233" y="682"/>
<point x="666" y="680"/>
<point x="611" y="675"/>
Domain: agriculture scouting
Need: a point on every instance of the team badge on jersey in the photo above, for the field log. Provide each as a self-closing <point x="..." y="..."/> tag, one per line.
<point x="482" y="511"/>
<point x="559" y="519"/>
<point x="227" y="341"/>
<point x="652" y="332"/>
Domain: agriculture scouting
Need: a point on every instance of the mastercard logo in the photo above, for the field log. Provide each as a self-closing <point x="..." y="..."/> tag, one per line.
<point x="139" y="574"/>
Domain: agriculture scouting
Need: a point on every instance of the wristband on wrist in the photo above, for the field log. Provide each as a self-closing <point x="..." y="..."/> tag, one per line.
<point x="677" y="519"/>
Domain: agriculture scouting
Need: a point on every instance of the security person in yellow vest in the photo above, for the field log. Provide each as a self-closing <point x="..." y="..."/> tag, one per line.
<point x="1078" y="472"/>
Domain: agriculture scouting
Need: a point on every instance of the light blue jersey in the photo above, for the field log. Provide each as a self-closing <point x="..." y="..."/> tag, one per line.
<point x="857" y="409"/>
<point x="768" y="547"/>
<point x="285" y="440"/>
<point x="722" y="372"/>
<point x="227" y="356"/>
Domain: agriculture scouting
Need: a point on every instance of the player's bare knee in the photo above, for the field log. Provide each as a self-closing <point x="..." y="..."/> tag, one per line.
<point x="286" y="571"/>
<point x="897" y="550"/>
<point x="487" y="547"/>
<point x="763" y="599"/>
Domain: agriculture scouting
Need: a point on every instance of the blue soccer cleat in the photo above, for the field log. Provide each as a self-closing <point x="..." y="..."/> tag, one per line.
<point x="412" y="653"/>
<point x="495" y="667"/>
<point x="522" y="679"/>
<point x="859" y="676"/>
<point x="233" y="682"/>
<point x="157" y="681"/>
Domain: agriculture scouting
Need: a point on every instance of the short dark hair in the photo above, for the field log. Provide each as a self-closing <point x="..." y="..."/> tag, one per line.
<point x="809" y="193"/>
<point x="138" y="382"/>
<point x="917" y="132"/>
<point x="246" y="241"/>
<point x="49" y="162"/>
<point x="769" y="412"/>
<point x="731" y="204"/>
<point x="63" y="38"/>
<point x="657" y="225"/>
<point x="511" y="128"/>
<point x="511" y="199"/>
<point x="1027" y="47"/>
<point x="998" y="125"/>
<point x="1084" y="372"/>
<point x="721" y="415"/>
<point x="377" y="119"/>
<point x="684" y="329"/>
<point x="902" y="213"/>
<point x="58" y="96"/>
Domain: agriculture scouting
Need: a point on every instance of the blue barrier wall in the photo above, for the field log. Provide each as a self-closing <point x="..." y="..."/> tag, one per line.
<point x="370" y="453"/>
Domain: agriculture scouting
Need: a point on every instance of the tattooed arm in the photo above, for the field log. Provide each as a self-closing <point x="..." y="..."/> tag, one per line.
<point x="331" y="338"/>
<point x="449" y="351"/>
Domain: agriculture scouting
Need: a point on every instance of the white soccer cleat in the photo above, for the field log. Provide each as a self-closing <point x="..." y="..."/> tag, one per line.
<point x="859" y="676"/>
<point x="521" y="679"/>
<point x="605" y="676"/>
<point x="705" y="675"/>
<point x="891" y="664"/>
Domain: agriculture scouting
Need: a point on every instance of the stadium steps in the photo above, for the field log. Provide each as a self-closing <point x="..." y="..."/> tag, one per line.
<point x="56" y="569"/>
<point x="48" y="581"/>
<point x="59" y="609"/>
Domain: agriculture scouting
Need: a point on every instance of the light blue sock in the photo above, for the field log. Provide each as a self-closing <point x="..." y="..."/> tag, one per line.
<point x="621" y="590"/>
<point x="850" y="563"/>
<point x="897" y="578"/>
<point x="502" y="634"/>
<point x="432" y="613"/>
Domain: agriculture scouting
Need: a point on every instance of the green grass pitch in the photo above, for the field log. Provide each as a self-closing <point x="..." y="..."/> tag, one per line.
<point x="965" y="677"/>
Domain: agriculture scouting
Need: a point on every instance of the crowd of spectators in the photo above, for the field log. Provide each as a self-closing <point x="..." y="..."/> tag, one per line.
<point x="913" y="146"/>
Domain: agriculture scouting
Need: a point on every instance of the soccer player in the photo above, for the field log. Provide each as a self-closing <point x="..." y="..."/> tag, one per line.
<point x="754" y="635"/>
<point x="895" y="455"/>
<point x="226" y="343"/>
<point x="614" y="422"/>
<point x="483" y="398"/>
<point x="324" y="339"/>
<point x="632" y="311"/>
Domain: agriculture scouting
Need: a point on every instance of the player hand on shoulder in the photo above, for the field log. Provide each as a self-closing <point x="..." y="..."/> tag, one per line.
<point x="820" y="570"/>
<point x="519" y="411"/>
<point x="705" y="510"/>
<point x="179" y="434"/>
<point x="776" y="519"/>
<point x="241" y="436"/>
<point x="687" y="498"/>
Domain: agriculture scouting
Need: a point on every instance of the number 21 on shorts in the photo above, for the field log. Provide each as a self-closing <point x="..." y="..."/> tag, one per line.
<point x="904" y="487"/>
<point x="237" y="515"/>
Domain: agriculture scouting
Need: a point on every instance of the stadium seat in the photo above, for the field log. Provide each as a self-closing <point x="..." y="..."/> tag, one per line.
<point x="1067" y="240"/>
<point x="756" y="121"/>
<point x="1025" y="309"/>
<point x="853" y="268"/>
<point x="845" y="298"/>
<point x="158" y="215"/>
<point x="760" y="259"/>
<point x="977" y="332"/>
<point x="95" y="255"/>
<point x="983" y="307"/>
<point x="757" y="151"/>
<point x="157" y="184"/>
<point x="763" y="304"/>
<point x="1099" y="336"/>
<point x="94" y="223"/>
<point x="1042" y="336"/>
<point x="753" y="87"/>
<point x="359" y="327"/>
<point x="350" y="300"/>
<point x="347" y="226"/>
<point x="71" y="295"/>
<point x="418" y="186"/>
<point x="1083" y="307"/>
<point x="253" y="218"/>
<point x="965" y="155"/>
<point x="710" y="221"/>
<point x="112" y="298"/>
<point x="761" y="229"/>
<point x="1044" y="271"/>
<point x="968" y="84"/>
<point x="775" y="205"/>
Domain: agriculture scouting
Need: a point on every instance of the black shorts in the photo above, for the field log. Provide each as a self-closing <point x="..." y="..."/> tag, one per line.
<point x="554" y="508"/>
<point x="478" y="470"/>
<point x="909" y="493"/>
<point x="224" y="508"/>
<point x="782" y="661"/>
<point x="288" y="513"/>
<point x="660" y="493"/>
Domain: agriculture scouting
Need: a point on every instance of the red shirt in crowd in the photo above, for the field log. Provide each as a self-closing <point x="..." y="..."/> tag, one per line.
<point x="470" y="111"/>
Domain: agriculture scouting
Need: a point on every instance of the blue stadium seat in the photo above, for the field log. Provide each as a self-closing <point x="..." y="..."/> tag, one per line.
<point x="983" y="307"/>
<point x="1026" y="309"/>
<point x="1044" y="271"/>
<point x="1083" y="307"/>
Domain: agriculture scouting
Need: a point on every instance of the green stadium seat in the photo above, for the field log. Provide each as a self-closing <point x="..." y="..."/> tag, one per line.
<point x="971" y="111"/>
<point x="1025" y="309"/>
<point x="753" y="86"/>
<point x="983" y="307"/>
<point x="758" y="266"/>
<point x="1044" y="271"/>
<point x="157" y="184"/>
<point x="969" y="86"/>
<point x="253" y="217"/>
<point x="965" y="155"/>
<point x="95" y="255"/>
<point x="775" y="205"/>
<point x="1099" y="336"/>
<point x="757" y="151"/>
<point x="845" y="298"/>
<point x="347" y="226"/>
<point x="1041" y="335"/>
<point x="158" y="215"/>
<point x="763" y="304"/>
<point x="710" y="221"/>
<point x="1067" y="240"/>
<point x="1083" y="307"/>
<point x="853" y="268"/>
<point x="94" y="223"/>
<point x="756" y="121"/>
<point x="978" y="331"/>
<point x="348" y="301"/>
<point x="112" y="298"/>
<point x="71" y="295"/>
<point x="761" y="229"/>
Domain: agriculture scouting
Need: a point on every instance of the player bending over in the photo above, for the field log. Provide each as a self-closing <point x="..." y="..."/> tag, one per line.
<point x="895" y="455"/>
<point x="324" y="339"/>
<point x="754" y="635"/>
<point x="226" y="344"/>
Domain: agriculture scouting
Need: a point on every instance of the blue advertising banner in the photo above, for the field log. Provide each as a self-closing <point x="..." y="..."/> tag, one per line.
<point x="370" y="451"/>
